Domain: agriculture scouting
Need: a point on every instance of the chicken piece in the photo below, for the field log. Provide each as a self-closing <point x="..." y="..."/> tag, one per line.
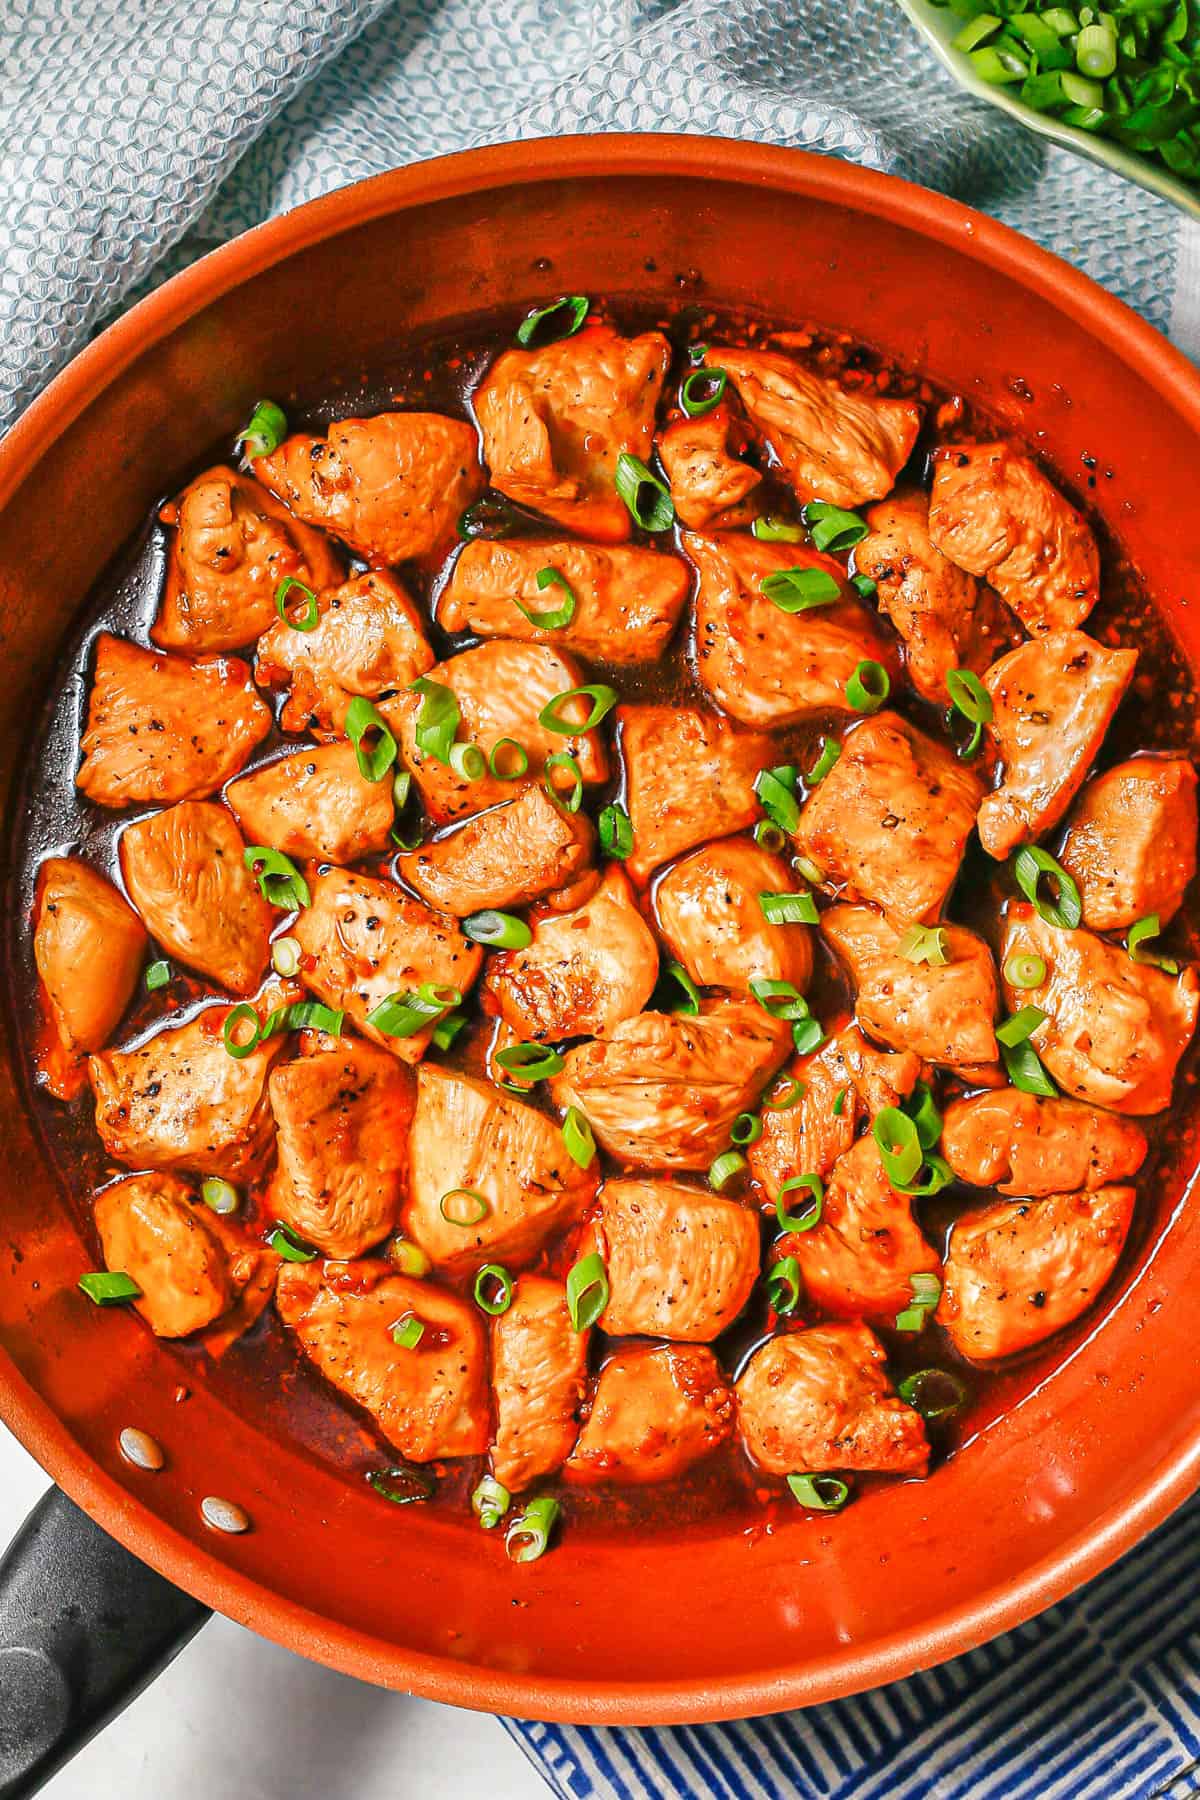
<point x="710" y="484"/>
<point x="708" y="912"/>
<point x="818" y="1400"/>
<point x="231" y="547"/>
<point x="1052" y="702"/>
<point x="891" y="820"/>
<point x="88" y="946"/>
<point x="315" y="806"/>
<point x="663" y="1089"/>
<point x="161" y="728"/>
<point x="764" y="666"/>
<point x="846" y="1073"/>
<point x="467" y="1137"/>
<point x="501" y="689"/>
<point x="585" y="971"/>
<point x="363" y="940"/>
<point x="368" y="640"/>
<point x="539" y="1377"/>
<point x="1131" y="841"/>
<point x="943" y="1013"/>
<point x="429" y="1402"/>
<point x="180" y="1101"/>
<point x="995" y="514"/>
<point x="689" y="777"/>
<point x="1114" y="1029"/>
<point x="342" y="1116"/>
<point x="858" y="1262"/>
<point x="183" y="869"/>
<point x="391" y="487"/>
<point x="1026" y="1145"/>
<point x="830" y="444"/>
<point x="656" y="1411"/>
<point x="556" y="420"/>
<point x="509" y="856"/>
<point x="1016" y="1274"/>
<point x="946" y="618"/>
<point x="681" y="1261"/>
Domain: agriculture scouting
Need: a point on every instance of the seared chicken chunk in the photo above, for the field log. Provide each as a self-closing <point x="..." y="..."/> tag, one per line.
<point x="713" y="489"/>
<point x="180" y="1101"/>
<point x="585" y="971"/>
<point x="1131" y="841"/>
<point x="539" y="1376"/>
<point x="1023" y="1144"/>
<point x="191" y="1266"/>
<point x="709" y="913"/>
<point x="342" y="1115"/>
<point x="663" y="1089"/>
<point x="363" y="940"/>
<point x="655" y="1412"/>
<point x="843" y="1082"/>
<point x="161" y="728"/>
<point x="509" y="856"/>
<point x="946" y="618"/>
<point x="556" y="420"/>
<point x="1114" y="1029"/>
<point x="431" y="1401"/>
<point x="391" y="487"/>
<point x="368" y="640"/>
<point x="231" y="547"/>
<point x="690" y="777"/>
<point x="1052" y="702"/>
<point x="995" y="514"/>
<point x="891" y="820"/>
<point x="818" y="1400"/>
<point x="1017" y="1274"/>
<point x="184" y="871"/>
<point x="501" y="689"/>
<point x="627" y="599"/>
<point x="830" y="444"/>
<point x="681" y="1261"/>
<point x="315" y="805"/>
<point x="858" y="1262"/>
<point x="944" y="1013"/>
<point x="478" y="1156"/>
<point x="88" y="946"/>
<point x="765" y="666"/>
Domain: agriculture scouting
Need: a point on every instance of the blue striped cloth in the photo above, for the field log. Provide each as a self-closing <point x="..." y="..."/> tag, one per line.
<point x="134" y="137"/>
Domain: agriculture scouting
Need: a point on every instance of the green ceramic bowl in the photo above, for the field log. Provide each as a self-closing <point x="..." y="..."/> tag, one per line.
<point x="940" y="25"/>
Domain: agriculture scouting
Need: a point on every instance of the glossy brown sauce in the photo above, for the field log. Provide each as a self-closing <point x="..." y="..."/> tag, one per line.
<point x="262" y="1375"/>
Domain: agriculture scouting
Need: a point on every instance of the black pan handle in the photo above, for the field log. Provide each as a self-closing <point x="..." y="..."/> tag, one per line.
<point x="84" y="1626"/>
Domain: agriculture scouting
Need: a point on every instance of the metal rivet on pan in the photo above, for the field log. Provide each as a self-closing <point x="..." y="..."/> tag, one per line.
<point x="223" y="1515"/>
<point x="139" y="1448"/>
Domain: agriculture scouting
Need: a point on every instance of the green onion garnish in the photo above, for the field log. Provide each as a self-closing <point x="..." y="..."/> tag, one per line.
<point x="570" y="799"/>
<point x="279" y="880"/>
<point x="769" y="837"/>
<point x="702" y="390"/>
<point x="287" y="1245"/>
<point x="587" y="1291"/>
<point x="788" y="1093"/>
<point x="864" y="586"/>
<point x="926" y="1292"/>
<point x="1023" y="970"/>
<point x="463" y="1206"/>
<point x="970" y="698"/>
<point x="577" y="1137"/>
<point x="783" y="1286"/>
<point x="776" y="790"/>
<point x="302" y="1015"/>
<point x="830" y="751"/>
<point x="1025" y="1070"/>
<point x="374" y="745"/>
<point x="402" y="1015"/>
<point x="220" y="1195"/>
<point x="807" y="867"/>
<point x="502" y="930"/>
<point x="789" y="909"/>
<point x="808" y="1216"/>
<point x="807" y="1035"/>
<point x="512" y="764"/>
<point x="924" y="944"/>
<point x="770" y="530"/>
<point x="468" y="762"/>
<point x="833" y="529"/>
<point x="285" y="956"/>
<point x="530" y="1062"/>
<point x="490" y="1501"/>
<point x="309" y="617"/>
<point x="408" y="1332"/>
<point x="932" y="1392"/>
<point x="110" y="1287"/>
<point x="401" y="1485"/>
<point x="868" y="687"/>
<point x="447" y="1029"/>
<point x="603" y="700"/>
<point x="493" y="1289"/>
<point x="647" y="498"/>
<point x="724" y="1167"/>
<point x="157" y="976"/>
<point x="800" y="590"/>
<point x="819" y="1493"/>
<point x="675" y="973"/>
<point x="922" y="1110"/>
<point x="548" y="324"/>
<point x="746" y="1129"/>
<point x="616" y="832"/>
<point x="780" y="998"/>
<point x="265" y="432"/>
<point x="899" y="1143"/>
<point x="438" y="720"/>
<point x="1063" y="908"/>
<point x="1141" y="932"/>
<point x="553" y="618"/>
<point x="233" y="1031"/>
<point x="528" y="1536"/>
<point x="1022" y="1025"/>
<point x="408" y="1257"/>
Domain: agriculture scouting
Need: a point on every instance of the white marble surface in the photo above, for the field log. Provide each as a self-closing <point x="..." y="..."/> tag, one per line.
<point x="235" y="1718"/>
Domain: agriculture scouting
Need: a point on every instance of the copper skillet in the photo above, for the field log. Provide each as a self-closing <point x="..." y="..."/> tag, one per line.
<point x="704" y="1625"/>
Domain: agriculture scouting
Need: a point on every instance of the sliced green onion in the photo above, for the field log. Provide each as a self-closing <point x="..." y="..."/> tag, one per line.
<point x="437" y="721"/>
<point x="924" y="944"/>
<point x="776" y="790"/>
<point x="808" y="1216"/>
<point x="616" y="832"/>
<point x="570" y="799"/>
<point x="220" y="1195"/>
<point x="530" y="1062"/>
<point x="374" y="745"/>
<point x="603" y="700"/>
<point x="770" y="530"/>
<point x="408" y="1332"/>
<point x="783" y="1286"/>
<point x="746" y="1129"/>
<point x="807" y="1035"/>
<point x="832" y="528"/>
<point x="528" y="1536"/>
<point x="864" y="586"/>
<point x="800" y="590"/>
<point x="463" y="1206"/>
<point x="926" y="1292"/>
<point x="577" y="1137"/>
<point x="935" y="1174"/>
<point x="690" y="1003"/>
<point x="970" y="698"/>
<point x="724" y="1168"/>
<point x="490" y="1501"/>
<point x="553" y="618"/>
<point x="1030" y="867"/>
<point x="401" y="1485"/>
<point x="310" y="617"/>
<point x="789" y="1093"/>
<point x="807" y="867"/>
<point x="702" y="390"/>
<point x="1021" y="1026"/>
<point x="549" y="324"/>
<point x="921" y="1108"/>
<point x="236" y="1042"/>
<point x="402" y="1015"/>
<point x="839" y="1102"/>
<point x="647" y="498"/>
<point x="508" y="768"/>
<point x="789" y="909"/>
<point x="1140" y="932"/>
<point x="492" y="517"/>
<point x="285" y="956"/>
<point x="779" y="998"/>
<point x="1025" y="1070"/>
<point x="1096" y="52"/>
<point x="587" y="1291"/>
<point x="287" y="1245"/>
<point x="303" y="1015"/>
<point x="830" y="751"/>
<point x="1023" y="970"/>
<point x="899" y="1143"/>
<point x="819" y="1493"/>
<point x="279" y="880"/>
<point x="408" y="1258"/>
<point x="502" y="930"/>
<point x="868" y="687"/>
<point x="448" y="1028"/>
<point x="265" y="432"/>
<point x="768" y="836"/>
<point x="468" y="762"/>
<point x="109" y="1287"/>
<point x="493" y="1304"/>
<point x="157" y="976"/>
<point x="932" y="1392"/>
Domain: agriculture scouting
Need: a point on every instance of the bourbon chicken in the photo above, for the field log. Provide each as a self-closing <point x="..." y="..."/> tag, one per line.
<point x="632" y="912"/>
